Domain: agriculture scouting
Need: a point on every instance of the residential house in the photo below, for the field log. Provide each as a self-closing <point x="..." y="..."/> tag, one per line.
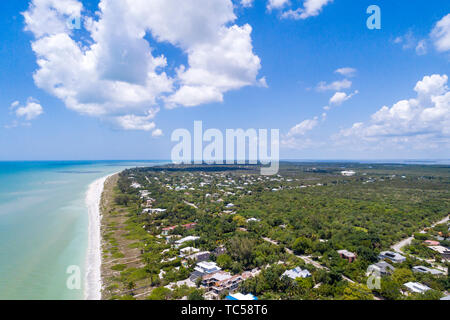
<point x="431" y="243"/>
<point x="416" y="287"/>
<point x="167" y="230"/>
<point x="422" y="269"/>
<point x="203" y="268"/>
<point x="393" y="256"/>
<point x="445" y="252"/>
<point x="296" y="273"/>
<point x="350" y="256"/>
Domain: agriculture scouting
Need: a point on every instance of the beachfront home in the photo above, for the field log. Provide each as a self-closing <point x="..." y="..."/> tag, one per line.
<point x="203" y="268"/>
<point x="186" y="239"/>
<point x="241" y="297"/>
<point x="381" y="268"/>
<point x="350" y="256"/>
<point x="296" y="273"/>
<point x="422" y="269"/>
<point x="221" y="282"/>
<point x="416" y="287"/>
<point x="393" y="256"/>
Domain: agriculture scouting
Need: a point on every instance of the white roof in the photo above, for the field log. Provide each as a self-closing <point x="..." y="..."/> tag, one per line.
<point x="190" y="238"/>
<point x="297" y="273"/>
<point x="207" y="265"/>
<point x="439" y="249"/>
<point x="416" y="287"/>
<point x="347" y="253"/>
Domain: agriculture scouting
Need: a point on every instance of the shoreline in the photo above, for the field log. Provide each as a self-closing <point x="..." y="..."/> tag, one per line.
<point x="93" y="279"/>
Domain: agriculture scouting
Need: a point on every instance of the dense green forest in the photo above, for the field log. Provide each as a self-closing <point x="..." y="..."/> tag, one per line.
<point x="300" y="217"/>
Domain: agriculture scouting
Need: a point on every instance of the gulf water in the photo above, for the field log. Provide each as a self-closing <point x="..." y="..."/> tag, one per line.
<point x="44" y="225"/>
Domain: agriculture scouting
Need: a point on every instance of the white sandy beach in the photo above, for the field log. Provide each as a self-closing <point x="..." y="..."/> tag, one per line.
<point x="93" y="282"/>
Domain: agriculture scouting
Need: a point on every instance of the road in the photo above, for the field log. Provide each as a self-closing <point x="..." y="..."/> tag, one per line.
<point x="405" y="242"/>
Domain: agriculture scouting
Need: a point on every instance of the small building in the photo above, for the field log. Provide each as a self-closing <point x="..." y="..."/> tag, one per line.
<point x="253" y="220"/>
<point x="203" y="268"/>
<point x="296" y="273"/>
<point x="241" y="297"/>
<point x="382" y="268"/>
<point x="416" y="287"/>
<point x="167" y="230"/>
<point x="422" y="269"/>
<point x="393" y="256"/>
<point x="350" y="256"/>
<point x="444" y="252"/>
<point x="431" y="243"/>
<point x="348" y="173"/>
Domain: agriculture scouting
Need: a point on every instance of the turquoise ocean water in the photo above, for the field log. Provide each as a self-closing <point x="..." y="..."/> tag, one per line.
<point x="44" y="224"/>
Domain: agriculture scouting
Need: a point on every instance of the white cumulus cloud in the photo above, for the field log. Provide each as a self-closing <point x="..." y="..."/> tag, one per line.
<point x="276" y="4"/>
<point x="347" y="71"/>
<point x="441" y="34"/>
<point x="311" y="8"/>
<point x="420" y="122"/>
<point x="340" y="97"/>
<point x="30" y="111"/>
<point x="115" y="74"/>
<point x="334" y="86"/>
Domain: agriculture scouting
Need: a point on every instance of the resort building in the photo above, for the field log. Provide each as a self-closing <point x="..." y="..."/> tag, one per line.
<point x="350" y="256"/>
<point x="393" y="256"/>
<point x="296" y="273"/>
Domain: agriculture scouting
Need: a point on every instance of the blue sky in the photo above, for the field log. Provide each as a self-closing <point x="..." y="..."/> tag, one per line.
<point x="63" y="113"/>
